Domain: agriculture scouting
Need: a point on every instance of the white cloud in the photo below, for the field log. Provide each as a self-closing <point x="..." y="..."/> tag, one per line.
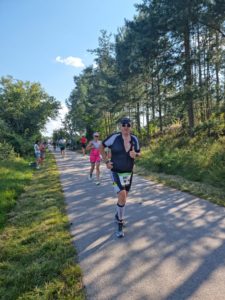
<point x="71" y="61"/>
<point x="56" y="124"/>
<point x="95" y="65"/>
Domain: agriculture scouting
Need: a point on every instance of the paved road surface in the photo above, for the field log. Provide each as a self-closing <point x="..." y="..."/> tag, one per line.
<point x="174" y="244"/>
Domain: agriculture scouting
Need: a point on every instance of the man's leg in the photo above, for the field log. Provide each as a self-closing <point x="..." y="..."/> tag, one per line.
<point x="83" y="150"/>
<point x="121" y="202"/>
<point x="122" y="195"/>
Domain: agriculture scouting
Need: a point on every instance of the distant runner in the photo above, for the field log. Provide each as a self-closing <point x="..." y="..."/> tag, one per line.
<point x="95" y="158"/>
<point x="124" y="149"/>
<point x="83" y="142"/>
<point x="62" y="146"/>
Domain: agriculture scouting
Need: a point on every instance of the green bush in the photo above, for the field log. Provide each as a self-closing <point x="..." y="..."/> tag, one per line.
<point x="21" y="145"/>
<point x="215" y="126"/>
<point x="6" y="151"/>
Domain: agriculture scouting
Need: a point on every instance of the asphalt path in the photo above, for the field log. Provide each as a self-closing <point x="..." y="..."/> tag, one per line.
<point x="174" y="244"/>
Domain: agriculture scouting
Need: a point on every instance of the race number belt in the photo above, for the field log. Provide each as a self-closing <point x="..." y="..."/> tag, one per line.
<point x="124" y="178"/>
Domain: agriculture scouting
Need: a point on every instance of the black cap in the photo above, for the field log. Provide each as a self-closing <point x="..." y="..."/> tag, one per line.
<point x="125" y="121"/>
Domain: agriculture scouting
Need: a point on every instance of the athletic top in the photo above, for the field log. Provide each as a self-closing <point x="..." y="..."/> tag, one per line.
<point x="83" y="140"/>
<point x="95" y="150"/>
<point x="37" y="149"/>
<point x="122" y="162"/>
<point x="96" y="144"/>
<point x="62" y="143"/>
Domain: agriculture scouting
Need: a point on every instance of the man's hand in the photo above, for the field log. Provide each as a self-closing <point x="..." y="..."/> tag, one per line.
<point x="132" y="153"/>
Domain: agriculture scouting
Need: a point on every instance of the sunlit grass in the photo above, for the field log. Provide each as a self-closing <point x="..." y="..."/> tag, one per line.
<point x="195" y="165"/>
<point x="14" y="175"/>
<point x="37" y="258"/>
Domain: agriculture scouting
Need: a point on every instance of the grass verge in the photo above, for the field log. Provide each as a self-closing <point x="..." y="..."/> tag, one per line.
<point x="37" y="258"/>
<point x="206" y="191"/>
<point x="14" y="175"/>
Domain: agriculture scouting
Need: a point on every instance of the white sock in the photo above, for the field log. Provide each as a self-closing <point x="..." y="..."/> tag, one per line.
<point x="120" y="211"/>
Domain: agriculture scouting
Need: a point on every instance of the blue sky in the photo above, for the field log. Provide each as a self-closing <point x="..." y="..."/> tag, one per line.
<point x="46" y="41"/>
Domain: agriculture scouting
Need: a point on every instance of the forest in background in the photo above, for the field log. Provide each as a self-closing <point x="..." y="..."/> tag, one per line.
<point x="164" y="67"/>
<point x="25" y="108"/>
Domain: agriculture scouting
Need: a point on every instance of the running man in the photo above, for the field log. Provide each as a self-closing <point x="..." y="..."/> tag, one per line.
<point x="83" y="142"/>
<point x="62" y="146"/>
<point x="124" y="149"/>
<point x="95" y="158"/>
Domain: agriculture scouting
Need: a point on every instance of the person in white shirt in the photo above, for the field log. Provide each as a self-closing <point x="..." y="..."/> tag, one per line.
<point x="37" y="154"/>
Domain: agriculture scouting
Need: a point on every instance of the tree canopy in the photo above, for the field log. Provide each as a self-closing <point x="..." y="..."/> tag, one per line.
<point x="165" y="65"/>
<point x="24" y="110"/>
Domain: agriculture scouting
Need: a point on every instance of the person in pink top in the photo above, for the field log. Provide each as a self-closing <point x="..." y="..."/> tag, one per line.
<point x="95" y="158"/>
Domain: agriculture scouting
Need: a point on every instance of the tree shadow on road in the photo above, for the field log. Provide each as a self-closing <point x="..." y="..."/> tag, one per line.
<point x="174" y="247"/>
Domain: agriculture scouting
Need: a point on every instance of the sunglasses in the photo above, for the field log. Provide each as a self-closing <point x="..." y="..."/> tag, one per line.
<point x="96" y="135"/>
<point x="126" y="125"/>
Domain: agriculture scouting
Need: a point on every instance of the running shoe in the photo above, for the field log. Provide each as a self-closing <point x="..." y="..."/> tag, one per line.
<point x="120" y="232"/>
<point x="89" y="177"/>
<point x="97" y="182"/>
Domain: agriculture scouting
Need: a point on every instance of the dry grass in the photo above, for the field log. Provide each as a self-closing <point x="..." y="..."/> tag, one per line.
<point x="206" y="191"/>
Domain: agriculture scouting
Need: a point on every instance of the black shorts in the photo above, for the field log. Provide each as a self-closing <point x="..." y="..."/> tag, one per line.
<point x="83" y="145"/>
<point x="122" y="181"/>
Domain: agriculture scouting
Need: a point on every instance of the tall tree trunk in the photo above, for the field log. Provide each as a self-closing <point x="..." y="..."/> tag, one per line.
<point x="217" y="70"/>
<point x="160" y="105"/>
<point x="147" y="97"/>
<point x="106" y="127"/>
<point x="201" y="98"/>
<point x="153" y="100"/>
<point x="208" y="112"/>
<point x="109" y="122"/>
<point x="188" y="67"/>
<point x="138" y="118"/>
<point x="147" y="121"/>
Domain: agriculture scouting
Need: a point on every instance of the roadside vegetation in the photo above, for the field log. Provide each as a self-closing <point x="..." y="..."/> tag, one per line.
<point x="37" y="258"/>
<point x="163" y="68"/>
<point x="193" y="164"/>
<point x="14" y="176"/>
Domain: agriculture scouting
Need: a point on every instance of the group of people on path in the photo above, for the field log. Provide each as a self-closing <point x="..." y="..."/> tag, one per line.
<point x="124" y="149"/>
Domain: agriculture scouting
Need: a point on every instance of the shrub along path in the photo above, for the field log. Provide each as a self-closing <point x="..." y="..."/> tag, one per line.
<point x="174" y="244"/>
